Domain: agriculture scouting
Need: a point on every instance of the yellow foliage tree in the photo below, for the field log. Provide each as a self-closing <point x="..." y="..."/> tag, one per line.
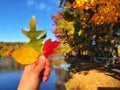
<point x="105" y="10"/>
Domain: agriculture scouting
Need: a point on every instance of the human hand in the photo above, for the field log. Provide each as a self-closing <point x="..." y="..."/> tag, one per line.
<point x="34" y="73"/>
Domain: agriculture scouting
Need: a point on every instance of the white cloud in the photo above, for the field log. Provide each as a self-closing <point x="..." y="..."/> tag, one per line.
<point x="38" y="5"/>
<point x="30" y="2"/>
<point x="41" y="6"/>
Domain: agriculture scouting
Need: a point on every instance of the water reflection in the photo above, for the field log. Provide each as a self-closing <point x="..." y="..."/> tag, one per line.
<point x="61" y="69"/>
<point x="10" y="73"/>
<point x="8" y="64"/>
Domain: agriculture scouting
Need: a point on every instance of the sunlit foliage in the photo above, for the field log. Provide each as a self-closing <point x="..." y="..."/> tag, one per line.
<point x="105" y="10"/>
<point x="89" y="25"/>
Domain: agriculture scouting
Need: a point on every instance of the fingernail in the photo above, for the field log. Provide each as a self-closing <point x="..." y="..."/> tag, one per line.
<point x="45" y="79"/>
<point x="42" y="57"/>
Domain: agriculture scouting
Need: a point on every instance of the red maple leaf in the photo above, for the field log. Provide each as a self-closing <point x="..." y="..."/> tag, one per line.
<point x="49" y="46"/>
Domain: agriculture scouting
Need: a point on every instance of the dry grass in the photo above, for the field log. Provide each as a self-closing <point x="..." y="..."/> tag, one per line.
<point x="91" y="80"/>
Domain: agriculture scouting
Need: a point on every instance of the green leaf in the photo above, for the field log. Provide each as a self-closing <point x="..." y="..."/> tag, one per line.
<point x="36" y="37"/>
<point x="37" y="44"/>
<point x="33" y="24"/>
<point x="32" y="35"/>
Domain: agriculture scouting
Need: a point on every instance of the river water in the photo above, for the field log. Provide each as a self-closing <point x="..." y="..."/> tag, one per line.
<point x="10" y="73"/>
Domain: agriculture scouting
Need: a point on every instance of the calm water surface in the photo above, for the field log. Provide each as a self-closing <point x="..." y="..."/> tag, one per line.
<point x="10" y="73"/>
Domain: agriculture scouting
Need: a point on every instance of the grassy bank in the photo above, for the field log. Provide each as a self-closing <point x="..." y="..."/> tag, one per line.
<point x="86" y="75"/>
<point x="92" y="80"/>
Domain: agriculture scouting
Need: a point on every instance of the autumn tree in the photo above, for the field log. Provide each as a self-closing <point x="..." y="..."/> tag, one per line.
<point x="89" y="24"/>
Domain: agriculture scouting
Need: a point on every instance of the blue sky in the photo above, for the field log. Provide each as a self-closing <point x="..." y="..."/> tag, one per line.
<point x="15" y="15"/>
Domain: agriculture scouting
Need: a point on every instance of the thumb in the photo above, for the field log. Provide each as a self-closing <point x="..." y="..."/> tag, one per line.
<point x="41" y="64"/>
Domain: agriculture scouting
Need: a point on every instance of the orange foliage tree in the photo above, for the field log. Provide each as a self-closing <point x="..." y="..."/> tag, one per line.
<point x="89" y="24"/>
<point x="104" y="10"/>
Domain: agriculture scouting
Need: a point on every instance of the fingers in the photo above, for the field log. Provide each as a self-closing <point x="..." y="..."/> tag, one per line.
<point x="41" y="64"/>
<point x="29" y="67"/>
<point x="46" y="72"/>
<point x="43" y="67"/>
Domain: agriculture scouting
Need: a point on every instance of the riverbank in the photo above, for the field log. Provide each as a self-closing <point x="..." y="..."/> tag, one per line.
<point x="92" y="80"/>
<point x="86" y="75"/>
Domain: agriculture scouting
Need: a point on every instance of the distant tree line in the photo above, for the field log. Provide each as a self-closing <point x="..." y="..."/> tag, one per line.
<point x="6" y="48"/>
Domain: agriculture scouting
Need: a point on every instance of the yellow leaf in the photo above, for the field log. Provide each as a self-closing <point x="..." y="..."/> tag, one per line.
<point x="80" y="32"/>
<point x="25" y="55"/>
<point x="119" y="50"/>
